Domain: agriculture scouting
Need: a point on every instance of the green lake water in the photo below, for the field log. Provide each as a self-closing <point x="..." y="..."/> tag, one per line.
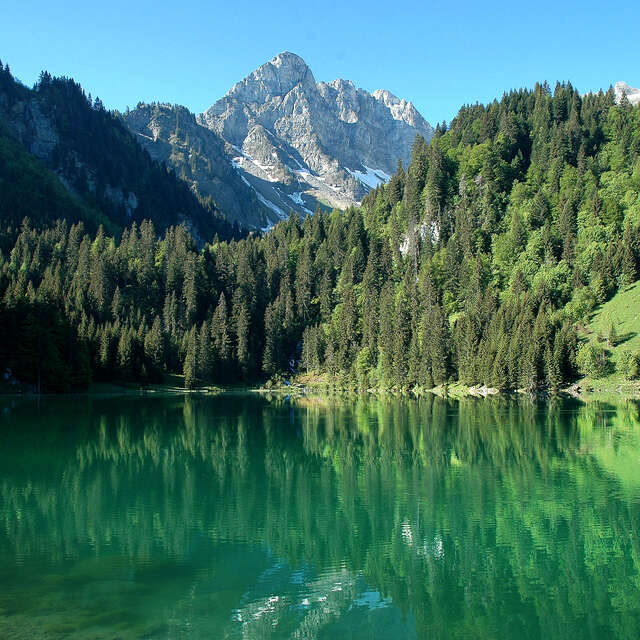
<point x="238" y="516"/>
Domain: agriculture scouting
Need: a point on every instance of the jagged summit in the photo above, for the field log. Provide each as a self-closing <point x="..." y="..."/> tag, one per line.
<point x="274" y="78"/>
<point x="400" y="109"/>
<point x="297" y="141"/>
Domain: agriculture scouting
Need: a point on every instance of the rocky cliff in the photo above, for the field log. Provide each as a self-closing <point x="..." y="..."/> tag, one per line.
<point x="171" y="135"/>
<point x="62" y="156"/>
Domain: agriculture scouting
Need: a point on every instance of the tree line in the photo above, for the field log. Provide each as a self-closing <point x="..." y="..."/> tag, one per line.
<point x="476" y="263"/>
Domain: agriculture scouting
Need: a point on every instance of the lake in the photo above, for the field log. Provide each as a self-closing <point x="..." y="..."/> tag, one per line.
<point x="238" y="516"/>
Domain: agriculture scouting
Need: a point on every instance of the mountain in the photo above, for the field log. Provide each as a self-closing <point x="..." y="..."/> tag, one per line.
<point x="62" y="156"/>
<point x="299" y="142"/>
<point x="622" y="88"/>
<point x="279" y="142"/>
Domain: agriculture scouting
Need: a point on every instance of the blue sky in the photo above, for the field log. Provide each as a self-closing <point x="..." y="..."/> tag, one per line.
<point x="440" y="55"/>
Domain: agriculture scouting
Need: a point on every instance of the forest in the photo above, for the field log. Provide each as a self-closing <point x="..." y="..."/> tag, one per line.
<point x="480" y="263"/>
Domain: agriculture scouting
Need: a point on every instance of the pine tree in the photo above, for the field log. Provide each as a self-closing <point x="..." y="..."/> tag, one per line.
<point x="439" y="345"/>
<point x="304" y="280"/>
<point x="105" y="351"/>
<point x="125" y="352"/>
<point x="555" y="363"/>
<point x="272" y="338"/>
<point x="347" y="329"/>
<point x="205" y="353"/>
<point x="241" y="323"/>
<point x="401" y="341"/>
<point x="190" y="366"/>
<point x="190" y="289"/>
<point x="630" y="260"/>
<point x="309" y="358"/>
<point x="325" y="293"/>
<point x="221" y="335"/>
<point x="116" y="304"/>
<point x="500" y="375"/>
<point x="154" y="348"/>
<point x="386" y="335"/>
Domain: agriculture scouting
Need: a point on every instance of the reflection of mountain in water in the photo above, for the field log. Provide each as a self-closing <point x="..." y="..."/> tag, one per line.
<point x="316" y="518"/>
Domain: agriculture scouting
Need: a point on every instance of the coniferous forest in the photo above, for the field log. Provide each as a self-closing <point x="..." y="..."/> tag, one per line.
<point x="477" y="263"/>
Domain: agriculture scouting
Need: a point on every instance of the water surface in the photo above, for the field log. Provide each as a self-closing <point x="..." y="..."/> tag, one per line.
<point x="242" y="517"/>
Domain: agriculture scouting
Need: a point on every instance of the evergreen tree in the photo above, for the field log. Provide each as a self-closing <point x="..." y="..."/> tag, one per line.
<point x="630" y="260"/>
<point x="476" y="262"/>
<point x="154" y="348"/>
<point x="190" y="366"/>
<point x="386" y="335"/>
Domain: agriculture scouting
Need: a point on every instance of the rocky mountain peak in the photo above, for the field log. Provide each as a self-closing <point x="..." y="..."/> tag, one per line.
<point x="299" y="143"/>
<point x="278" y="142"/>
<point x="288" y="60"/>
<point x="275" y="78"/>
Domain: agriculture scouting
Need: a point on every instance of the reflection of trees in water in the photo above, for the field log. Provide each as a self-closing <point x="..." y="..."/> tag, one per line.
<point x="454" y="509"/>
<point x="430" y="430"/>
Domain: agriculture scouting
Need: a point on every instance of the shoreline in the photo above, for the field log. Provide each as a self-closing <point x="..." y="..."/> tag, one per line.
<point x="584" y="390"/>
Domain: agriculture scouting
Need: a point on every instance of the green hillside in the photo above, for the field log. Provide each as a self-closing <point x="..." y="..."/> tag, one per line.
<point x="29" y="189"/>
<point x="622" y="313"/>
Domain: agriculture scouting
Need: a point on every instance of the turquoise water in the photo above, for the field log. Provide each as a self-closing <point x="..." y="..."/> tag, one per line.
<point x="243" y="517"/>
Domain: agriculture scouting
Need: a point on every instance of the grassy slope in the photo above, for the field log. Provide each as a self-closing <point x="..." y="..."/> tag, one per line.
<point x="624" y="310"/>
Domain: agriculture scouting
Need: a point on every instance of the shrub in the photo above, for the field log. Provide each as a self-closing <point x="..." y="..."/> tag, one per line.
<point x="611" y="334"/>
<point x="633" y="366"/>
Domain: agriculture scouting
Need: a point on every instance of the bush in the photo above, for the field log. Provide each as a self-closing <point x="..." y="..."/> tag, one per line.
<point x="633" y="366"/>
<point x="593" y="360"/>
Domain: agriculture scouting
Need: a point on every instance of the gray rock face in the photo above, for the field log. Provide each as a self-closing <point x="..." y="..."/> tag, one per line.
<point x="297" y="142"/>
<point x="622" y="88"/>
<point x="171" y="135"/>
<point x="31" y="126"/>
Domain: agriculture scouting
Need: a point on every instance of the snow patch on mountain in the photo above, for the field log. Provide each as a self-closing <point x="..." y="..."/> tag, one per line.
<point x="622" y="88"/>
<point x="372" y="178"/>
<point x="296" y="196"/>
<point x="274" y="207"/>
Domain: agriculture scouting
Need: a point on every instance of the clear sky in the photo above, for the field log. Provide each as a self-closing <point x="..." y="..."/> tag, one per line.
<point x="440" y="55"/>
